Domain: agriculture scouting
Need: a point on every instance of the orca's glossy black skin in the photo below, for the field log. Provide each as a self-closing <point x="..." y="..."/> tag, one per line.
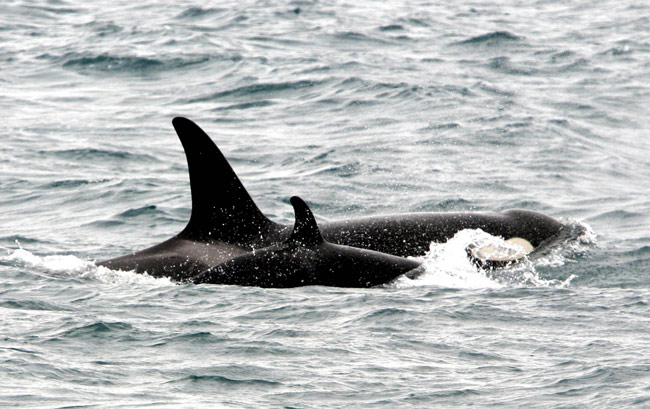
<point x="226" y="223"/>
<point x="306" y="259"/>
<point x="411" y="234"/>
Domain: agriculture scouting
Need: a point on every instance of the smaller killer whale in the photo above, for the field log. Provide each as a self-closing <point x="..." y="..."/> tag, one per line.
<point x="225" y="222"/>
<point x="305" y="258"/>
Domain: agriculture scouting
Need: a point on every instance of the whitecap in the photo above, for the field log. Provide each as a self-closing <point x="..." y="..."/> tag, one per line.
<point x="75" y="267"/>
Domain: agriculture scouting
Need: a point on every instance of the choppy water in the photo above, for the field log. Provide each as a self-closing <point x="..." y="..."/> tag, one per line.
<point x="360" y="108"/>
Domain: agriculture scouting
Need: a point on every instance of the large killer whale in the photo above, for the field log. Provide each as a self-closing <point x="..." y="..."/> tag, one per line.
<point x="305" y="258"/>
<point x="226" y="223"/>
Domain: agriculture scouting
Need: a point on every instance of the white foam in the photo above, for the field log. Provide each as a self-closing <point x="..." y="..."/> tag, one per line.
<point x="71" y="266"/>
<point x="448" y="265"/>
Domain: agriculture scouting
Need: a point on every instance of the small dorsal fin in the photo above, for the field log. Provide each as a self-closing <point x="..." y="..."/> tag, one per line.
<point x="222" y="209"/>
<point x="305" y="230"/>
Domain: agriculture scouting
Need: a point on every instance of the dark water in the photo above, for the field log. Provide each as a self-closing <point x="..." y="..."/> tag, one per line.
<point x="360" y="108"/>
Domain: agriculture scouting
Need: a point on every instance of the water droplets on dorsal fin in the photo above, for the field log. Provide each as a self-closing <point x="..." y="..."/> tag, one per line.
<point x="222" y="209"/>
<point x="305" y="230"/>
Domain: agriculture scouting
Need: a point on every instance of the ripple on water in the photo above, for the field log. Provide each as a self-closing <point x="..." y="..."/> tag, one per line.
<point x="245" y="105"/>
<point x="108" y="63"/>
<point x="97" y="329"/>
<point x="219" y="379"/>
<point x="72" y="183"/>
<point x="32" y="305"/>
<point x="198" y="12"/>
<point x="494" y="38"/>
<point x="197" y="338"/>
<point x="275" y="89"/>
<point x="91" y="154"/>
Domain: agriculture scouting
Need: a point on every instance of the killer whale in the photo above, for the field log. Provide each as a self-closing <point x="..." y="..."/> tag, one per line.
<point x="225" y="222"/>
<point x="305" y="258"/>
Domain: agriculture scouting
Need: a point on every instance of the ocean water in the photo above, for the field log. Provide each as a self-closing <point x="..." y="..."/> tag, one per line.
<point x="360" y="108"/>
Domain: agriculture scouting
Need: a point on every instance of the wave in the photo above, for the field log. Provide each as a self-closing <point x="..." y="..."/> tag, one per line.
<point x="72" y="183"/>
<point x="245" y="105"/>
<point x="353" y="36"/>
<point x="493" y="38"/>
<point x="97" y="154"/>
<point x="506" y="66"/>
<point x="32" y="305"/>
<point x="17" y="238"/>
<point x="104" y="28"/>
<point x="125" y="64"/>
<point x="196" y="12"/>
<point x="96" y="329"/>
<point x="106" y="62"/>
<point x="145" y="210"/>
<point x="219" y="379"/>
<point x="257" y="89"/>
<point x="391" y="27"/>
<point x="53" y="10"/>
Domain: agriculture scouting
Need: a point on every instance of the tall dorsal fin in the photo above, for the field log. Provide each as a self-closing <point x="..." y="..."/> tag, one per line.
<point x="305" y="230"/>
<point x="222" y="209"/>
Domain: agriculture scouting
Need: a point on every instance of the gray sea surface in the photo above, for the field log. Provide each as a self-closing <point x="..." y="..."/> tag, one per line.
<point x="360" y="108"/>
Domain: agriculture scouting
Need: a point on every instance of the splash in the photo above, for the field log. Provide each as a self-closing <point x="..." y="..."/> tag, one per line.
<point x="574" y="241"/>
<point x="448" y="265"/>
<point x="74" y="267"/>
